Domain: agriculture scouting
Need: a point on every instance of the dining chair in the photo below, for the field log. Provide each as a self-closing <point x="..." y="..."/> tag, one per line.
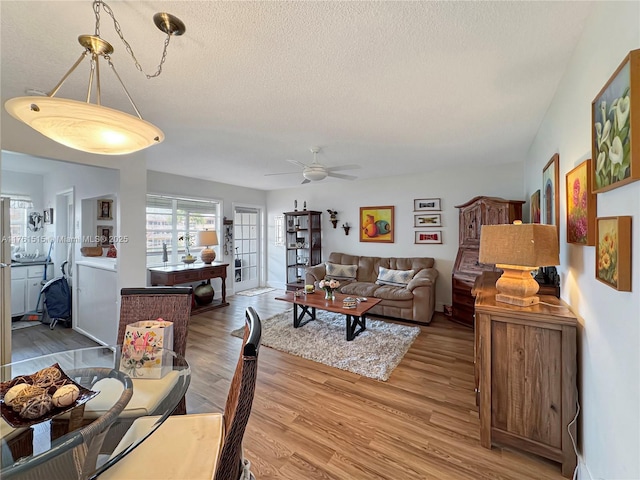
<point x="173" y="304"/>
<point x="197" y="446"/>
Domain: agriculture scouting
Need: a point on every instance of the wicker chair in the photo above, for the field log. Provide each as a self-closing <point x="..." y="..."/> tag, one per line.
<point x="172" y="304"/>
<point x="202" y="446"/>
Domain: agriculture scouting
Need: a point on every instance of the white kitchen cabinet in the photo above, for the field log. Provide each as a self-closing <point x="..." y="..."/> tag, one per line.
<point x="26" y="283"/>
<point x="18" y="285"/>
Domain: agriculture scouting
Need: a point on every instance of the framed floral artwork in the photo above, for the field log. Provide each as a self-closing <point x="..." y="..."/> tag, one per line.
<point x="105" y="209"/>
<point x="105" y="235"/>
<point x="615" y="127"/>
<point x="550" y="210"/>
<point x="434" y="236"/>
<point x="581" y="206"/>
<point x="426" y="204"/>
<point x="427" y="220"/>
<point x="534" y="207"/>
<point x="376" y="224"/>
<point x="613" y="252"/>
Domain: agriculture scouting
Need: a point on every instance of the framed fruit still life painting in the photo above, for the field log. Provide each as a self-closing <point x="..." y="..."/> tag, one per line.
<point x="376" y="224"/>
<point x="615" y="127"/>
<point x="581" y="206"/>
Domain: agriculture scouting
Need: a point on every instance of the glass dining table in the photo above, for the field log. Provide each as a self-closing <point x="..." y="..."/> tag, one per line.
<point x="77" y="441"/>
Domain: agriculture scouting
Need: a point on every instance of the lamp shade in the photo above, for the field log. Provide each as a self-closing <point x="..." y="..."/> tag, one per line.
<point x="85" y="126"/>
<point x="527" y="245"/>
<point x="518" y="249"/>
<point x="206" y="238"/>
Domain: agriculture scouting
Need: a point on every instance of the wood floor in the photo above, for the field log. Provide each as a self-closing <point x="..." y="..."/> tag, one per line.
<point x="310" y="421"/>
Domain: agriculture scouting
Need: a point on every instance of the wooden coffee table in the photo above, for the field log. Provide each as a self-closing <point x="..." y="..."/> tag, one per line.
<point x="306" y="305"/>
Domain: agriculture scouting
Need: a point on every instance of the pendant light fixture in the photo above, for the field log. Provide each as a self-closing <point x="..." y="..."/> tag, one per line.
<point x="92" y="127"/>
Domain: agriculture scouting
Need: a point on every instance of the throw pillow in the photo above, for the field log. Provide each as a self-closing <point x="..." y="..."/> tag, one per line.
<point x="396" y="278"/>
<point x="339" y="272"/>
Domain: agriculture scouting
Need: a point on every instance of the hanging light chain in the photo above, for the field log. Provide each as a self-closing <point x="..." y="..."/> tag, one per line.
<point x="116" y="26"/>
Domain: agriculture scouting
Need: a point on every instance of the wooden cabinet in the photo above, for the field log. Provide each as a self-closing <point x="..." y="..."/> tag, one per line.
<point x="473" y="214"/>
<point x="303" y="242"/>
<point x="526" y="374"/>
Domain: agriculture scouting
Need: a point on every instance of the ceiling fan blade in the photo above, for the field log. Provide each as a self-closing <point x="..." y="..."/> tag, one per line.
<point x="296" y="162"/>
<point x="339" y="175"/>
<point x="282" y="173"/>
<point x="343" y="167"/>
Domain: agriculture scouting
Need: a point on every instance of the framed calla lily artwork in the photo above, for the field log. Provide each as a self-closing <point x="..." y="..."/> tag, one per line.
<point x="615" y="119"/>
<point x="581" y="206"/>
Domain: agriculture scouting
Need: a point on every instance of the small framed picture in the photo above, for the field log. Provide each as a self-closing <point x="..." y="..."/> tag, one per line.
<point x="534" y="207"/>
<point x="613" y="252"/>
<point x="48" y="215"/>
<point x="434" y="236"/>
<point x="427" y="220"/>
<point x="105" y="207"/>
<point x="105" y="235"/>
<point x="426" y="205"/>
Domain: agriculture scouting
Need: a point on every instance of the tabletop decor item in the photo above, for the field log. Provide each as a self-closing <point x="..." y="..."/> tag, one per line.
<point x="187" y="238"/>
<point x="30" y="399"/>
<point x="143" y="346"/>
<point x="329" y="287"/>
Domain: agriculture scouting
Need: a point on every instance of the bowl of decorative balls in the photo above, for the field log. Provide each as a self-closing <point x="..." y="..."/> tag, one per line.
<point x="29" y="399"/>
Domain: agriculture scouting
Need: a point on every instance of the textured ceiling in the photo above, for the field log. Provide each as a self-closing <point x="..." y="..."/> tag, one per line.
<point x="396" y="87"/>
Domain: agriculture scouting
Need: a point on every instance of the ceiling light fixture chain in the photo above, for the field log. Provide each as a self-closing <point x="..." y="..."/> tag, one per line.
<point x="118" y="29"/>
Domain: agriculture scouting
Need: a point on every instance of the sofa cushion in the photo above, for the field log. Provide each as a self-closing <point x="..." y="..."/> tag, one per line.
<point x="341" y="272"/>
<point x="388" y="292"/>
<point x="395" y="278"/>
<point x="360" y="289"/>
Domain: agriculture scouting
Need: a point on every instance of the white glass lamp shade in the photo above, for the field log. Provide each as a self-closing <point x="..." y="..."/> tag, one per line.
<point x="314" y="173"/>
<point x="84" y="126"/>
<point x="206" y="238"/>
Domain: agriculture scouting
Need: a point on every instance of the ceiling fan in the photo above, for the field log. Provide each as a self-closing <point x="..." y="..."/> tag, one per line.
<point x="315" y="171"/>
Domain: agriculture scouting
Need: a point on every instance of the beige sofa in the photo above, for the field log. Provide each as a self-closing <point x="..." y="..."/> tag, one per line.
<point x="415" y="301"/>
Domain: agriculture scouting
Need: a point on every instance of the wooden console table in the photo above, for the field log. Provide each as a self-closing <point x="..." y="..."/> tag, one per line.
<point x="526" y="374"/>
<point x="179" y="274"/>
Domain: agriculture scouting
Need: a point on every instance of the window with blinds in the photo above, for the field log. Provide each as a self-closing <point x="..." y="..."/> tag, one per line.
<point x="169" y="218"/>
<point x="19" y="208"/>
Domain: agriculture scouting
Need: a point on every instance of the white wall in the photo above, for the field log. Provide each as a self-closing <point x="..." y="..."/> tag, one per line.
<point x="453" y="187"/>
<point x="609" y="341"/>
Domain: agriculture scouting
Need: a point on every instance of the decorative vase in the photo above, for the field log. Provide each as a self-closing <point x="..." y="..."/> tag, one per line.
<point x="203" y="293"/>
<point x="329" y="294"/>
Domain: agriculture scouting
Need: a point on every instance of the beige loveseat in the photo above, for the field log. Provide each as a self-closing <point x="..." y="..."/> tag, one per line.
<point x="415" y="301"/>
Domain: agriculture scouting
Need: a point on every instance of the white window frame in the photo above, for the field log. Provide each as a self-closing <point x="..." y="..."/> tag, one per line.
<point x="199" y="206"/>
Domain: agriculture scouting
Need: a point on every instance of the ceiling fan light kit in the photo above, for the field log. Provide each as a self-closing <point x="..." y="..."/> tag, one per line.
<point x="92" y="127"/>
<point x="316" y="171"/>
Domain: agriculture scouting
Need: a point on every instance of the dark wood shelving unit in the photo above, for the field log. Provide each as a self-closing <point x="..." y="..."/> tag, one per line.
<point x="303" y="241"/>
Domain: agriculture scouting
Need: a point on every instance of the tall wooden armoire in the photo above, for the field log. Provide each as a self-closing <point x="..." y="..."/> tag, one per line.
<point x="476" y="212"/>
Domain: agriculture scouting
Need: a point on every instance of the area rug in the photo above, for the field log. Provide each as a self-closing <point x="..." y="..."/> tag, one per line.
<point x="255" y="291"/>
<point x="374" y="353"/>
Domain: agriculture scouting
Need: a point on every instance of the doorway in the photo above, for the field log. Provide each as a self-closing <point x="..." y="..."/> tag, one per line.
<point x="246" y="247"/>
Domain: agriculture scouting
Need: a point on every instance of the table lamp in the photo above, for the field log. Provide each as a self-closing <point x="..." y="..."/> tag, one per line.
<point x="206" y="238"/>
<point x="518" y="249"/>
